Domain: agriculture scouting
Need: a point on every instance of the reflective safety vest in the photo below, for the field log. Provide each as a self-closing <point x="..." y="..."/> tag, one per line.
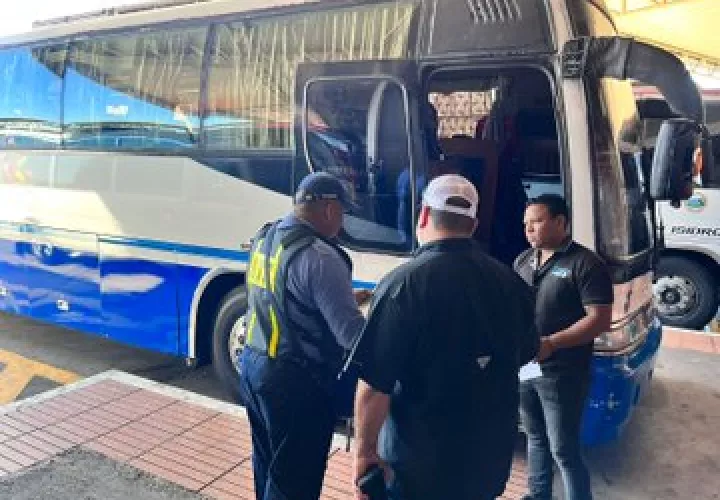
<point x="270" y="330"/>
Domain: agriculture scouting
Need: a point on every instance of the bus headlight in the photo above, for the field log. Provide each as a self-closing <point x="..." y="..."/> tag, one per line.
<point x="627" y="333"/>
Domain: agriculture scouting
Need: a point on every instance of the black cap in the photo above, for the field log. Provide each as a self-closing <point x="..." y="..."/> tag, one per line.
<point x="323" y="186"/>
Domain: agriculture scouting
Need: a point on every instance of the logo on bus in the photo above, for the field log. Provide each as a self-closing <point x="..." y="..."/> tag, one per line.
<point x="696" y="203"/>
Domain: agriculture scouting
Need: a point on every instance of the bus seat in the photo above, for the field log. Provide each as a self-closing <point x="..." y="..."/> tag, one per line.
<point x="482" y="159"/>
<point x="387" y="150"/>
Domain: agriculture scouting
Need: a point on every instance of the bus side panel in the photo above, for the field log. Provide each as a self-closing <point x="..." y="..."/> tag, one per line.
<point x="62" y="276"/>
<point x="139" y="295"/>
<point x="618" y="383"/>
<point x="13" y="287"/>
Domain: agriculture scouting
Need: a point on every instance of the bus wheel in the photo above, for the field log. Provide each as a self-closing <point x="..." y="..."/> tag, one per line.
<point x="685" y="293"/>
<point x="229" y="340"/>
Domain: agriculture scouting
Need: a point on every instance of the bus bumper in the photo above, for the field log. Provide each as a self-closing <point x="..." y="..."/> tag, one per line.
<point x="618" y="383"/>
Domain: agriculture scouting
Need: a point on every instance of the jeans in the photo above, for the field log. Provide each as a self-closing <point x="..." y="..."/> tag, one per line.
<point x="551" y="409"/>
<point x="292" y="421"/>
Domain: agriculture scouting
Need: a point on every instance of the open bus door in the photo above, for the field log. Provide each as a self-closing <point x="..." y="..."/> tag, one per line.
<point x="359" y="121"/>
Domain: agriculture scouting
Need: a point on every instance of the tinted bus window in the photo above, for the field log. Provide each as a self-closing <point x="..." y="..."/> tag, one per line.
<point x="250" y="88"/>
<point x="134" y="92"/>
<point x="357" y="131"/>
<point x="31" y="97"/>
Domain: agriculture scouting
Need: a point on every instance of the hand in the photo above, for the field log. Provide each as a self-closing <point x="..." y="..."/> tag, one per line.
<point x="547" y="348"/>
<point x="362" y="462"/>
<point x="362" y="296"/>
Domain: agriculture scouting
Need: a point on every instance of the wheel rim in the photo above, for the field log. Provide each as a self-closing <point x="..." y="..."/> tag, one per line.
<point x="236" y="341"/>
<point x="675" y="295"/>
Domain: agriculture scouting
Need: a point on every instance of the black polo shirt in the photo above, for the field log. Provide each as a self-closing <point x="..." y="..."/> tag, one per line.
<point x="445" y="336"/>
<point x="574" y="277"/>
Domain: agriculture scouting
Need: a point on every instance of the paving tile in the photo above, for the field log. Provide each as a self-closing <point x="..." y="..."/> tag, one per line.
<point x="177" y="468"/>
<point x="128" y="442"/>
<point x="34" y="419"/>
<point x="9" y="431"/>
<point x="185" y="453"/>
<point x="65" y="435"/>
<point x="220" y="494"/>
<point x="182" y="408"/>
<point x="9" y="453"/>
<point x="41" y="445"/>
<point x="237" y="483"/>
<point x="8" y="420"/>
<point x="4" y="437"/>
<point x="208" y="449"/>
<point x="108" y="451"/>
<point x="19" y="446"/>
<point x="79" y="428"/>
<point x="184" y="481"/>
<point x="128" y="450"/>
<point x="217" y="443"/>
<point x="53" y="439"/>
<point x="101" y="416"/>
<point x="181" y="463"/>
<point x="111" y="388"/>
<point x="57" y="409"/>
<point x="8" y="465"/>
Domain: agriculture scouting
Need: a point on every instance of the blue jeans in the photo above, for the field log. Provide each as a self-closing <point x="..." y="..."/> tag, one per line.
<point x="551" y="409"/>
<point x="292" y="421"/>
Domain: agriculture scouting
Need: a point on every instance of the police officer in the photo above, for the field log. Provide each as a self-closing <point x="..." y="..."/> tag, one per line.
<point x="302" y="316"/>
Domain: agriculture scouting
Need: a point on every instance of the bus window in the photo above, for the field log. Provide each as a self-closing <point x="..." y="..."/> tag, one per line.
<point x="134" y="92"/>
<point x="31" y="97"/>
<point x="250" y="85"/>
<point x="357" y="130"/>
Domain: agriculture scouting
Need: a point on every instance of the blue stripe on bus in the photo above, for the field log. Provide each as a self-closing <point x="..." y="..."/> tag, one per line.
<point x="167" y="246"/>
<point x="149" y="244"/>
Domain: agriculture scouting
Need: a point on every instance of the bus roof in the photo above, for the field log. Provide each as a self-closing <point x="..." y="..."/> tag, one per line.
<point x="158" y="12"/>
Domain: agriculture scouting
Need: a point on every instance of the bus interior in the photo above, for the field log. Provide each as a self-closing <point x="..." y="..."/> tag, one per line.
<point x="495" y="127"/>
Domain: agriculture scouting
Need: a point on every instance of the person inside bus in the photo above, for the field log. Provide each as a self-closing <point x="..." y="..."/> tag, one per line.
<point x="302" y="316"/>
<point x="439" y="359"/>
<point x="574" y="296"/>
<point x="435" y="155"/>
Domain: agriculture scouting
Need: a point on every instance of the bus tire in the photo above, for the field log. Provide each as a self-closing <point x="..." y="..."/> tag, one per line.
<point x="229" y="324"/>
<point x="685" y="293"/>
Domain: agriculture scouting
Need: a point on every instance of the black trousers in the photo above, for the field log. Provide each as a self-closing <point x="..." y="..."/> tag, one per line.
<point x="292" y="421"/>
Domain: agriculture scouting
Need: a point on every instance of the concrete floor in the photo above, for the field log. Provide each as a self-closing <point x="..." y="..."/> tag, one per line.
<point x="671" y="448"/>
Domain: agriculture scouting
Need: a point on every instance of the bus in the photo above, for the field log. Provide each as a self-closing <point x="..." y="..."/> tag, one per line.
<point x="141" y="149"/>
<point x="688" y="272"/>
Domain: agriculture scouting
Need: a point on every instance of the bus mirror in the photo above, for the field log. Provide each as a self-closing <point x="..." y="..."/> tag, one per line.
<point x="674" y="162"/>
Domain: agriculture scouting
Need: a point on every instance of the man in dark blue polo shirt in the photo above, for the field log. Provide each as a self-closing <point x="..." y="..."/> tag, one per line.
<point x="439" y="360"/>
<point x="574" y="296"/>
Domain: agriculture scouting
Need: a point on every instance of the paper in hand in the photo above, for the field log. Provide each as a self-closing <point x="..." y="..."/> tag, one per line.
<point x="530" y="371"/>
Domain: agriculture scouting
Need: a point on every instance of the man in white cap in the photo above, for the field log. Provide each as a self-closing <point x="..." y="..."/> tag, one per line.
<point x="439" y="359"/>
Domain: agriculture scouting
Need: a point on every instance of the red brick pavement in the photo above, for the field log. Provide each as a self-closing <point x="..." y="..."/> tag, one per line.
<point x="204" y="450"/>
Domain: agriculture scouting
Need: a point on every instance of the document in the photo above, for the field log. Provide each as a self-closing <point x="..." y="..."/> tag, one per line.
<point x="530" y="371"/>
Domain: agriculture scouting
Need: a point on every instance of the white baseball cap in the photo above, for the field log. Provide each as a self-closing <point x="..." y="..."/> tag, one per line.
<point x="445" y="187"/>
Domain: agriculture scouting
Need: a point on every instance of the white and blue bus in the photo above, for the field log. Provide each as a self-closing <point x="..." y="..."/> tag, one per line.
<point x="140" y="150"/>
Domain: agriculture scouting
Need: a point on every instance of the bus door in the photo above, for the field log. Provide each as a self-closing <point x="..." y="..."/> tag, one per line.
<point x="360" y="123"/>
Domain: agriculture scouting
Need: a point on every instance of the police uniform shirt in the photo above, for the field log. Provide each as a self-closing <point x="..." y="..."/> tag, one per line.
<point x="574" y="277"/>
<point x="320" y="279"/>
<point x="445" y="336"/>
